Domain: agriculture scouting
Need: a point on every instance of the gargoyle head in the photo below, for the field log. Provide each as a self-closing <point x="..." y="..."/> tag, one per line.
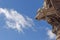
<point x="40" y="14"/>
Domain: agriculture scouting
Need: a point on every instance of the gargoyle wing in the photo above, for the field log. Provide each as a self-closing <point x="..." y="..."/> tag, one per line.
<point x="56" y="4"/>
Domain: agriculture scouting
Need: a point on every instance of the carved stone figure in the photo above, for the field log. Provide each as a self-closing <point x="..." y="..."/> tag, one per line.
<point x="51" y="13"/>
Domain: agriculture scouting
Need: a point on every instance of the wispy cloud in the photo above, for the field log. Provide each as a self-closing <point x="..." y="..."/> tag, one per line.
<point x="51" y="35"/>
<point x="16" y="20"/>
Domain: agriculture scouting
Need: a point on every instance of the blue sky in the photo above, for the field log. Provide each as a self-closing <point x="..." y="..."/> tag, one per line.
<point x="17" y="21"/>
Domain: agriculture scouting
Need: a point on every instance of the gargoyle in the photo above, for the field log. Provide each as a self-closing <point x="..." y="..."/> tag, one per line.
<point x="51" y="13"/>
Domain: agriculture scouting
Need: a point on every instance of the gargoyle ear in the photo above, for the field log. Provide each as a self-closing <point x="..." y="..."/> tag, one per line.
<point x="39" y="10"/>
<point x="49" y="3"/>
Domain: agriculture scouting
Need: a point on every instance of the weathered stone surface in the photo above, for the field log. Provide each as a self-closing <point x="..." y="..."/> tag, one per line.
<point x="51" y="13"/>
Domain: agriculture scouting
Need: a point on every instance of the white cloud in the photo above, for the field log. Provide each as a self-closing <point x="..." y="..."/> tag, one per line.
<point x="51" y="35"/>
<point x="15" y="20"/>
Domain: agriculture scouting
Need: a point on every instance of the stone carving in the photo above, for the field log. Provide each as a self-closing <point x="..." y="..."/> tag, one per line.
<point x="51" y="13"/>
